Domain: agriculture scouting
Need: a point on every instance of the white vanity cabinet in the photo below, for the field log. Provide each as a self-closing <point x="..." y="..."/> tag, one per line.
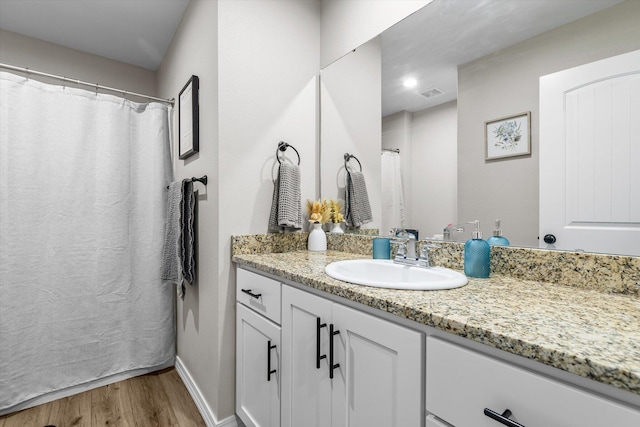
<point x="463" y="385"/>
<point x="258" y="350"/>
<point x="345" y="368"/>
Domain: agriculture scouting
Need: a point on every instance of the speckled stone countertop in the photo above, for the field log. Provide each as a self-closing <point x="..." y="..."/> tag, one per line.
<point x="583" y="331"/>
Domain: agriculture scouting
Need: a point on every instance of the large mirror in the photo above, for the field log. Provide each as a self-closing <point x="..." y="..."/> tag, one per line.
<point x="471" y="62"/>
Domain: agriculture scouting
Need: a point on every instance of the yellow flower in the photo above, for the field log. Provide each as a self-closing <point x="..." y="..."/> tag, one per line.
<point x="318" y="211"/>
<point x="335" y="208"/>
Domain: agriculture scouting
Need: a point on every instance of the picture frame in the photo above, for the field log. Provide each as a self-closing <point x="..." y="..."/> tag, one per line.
<point x="188" y="119"/>
<point x="507" y="136"/>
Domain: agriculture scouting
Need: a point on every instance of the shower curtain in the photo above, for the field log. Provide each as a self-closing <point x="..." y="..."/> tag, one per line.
<point x="82" y="203"/>
<point x="393" y="215"/>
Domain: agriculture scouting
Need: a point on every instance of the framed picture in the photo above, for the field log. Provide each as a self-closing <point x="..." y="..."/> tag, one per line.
<point x="188" y="122"/>
<point x="507" y="137"/>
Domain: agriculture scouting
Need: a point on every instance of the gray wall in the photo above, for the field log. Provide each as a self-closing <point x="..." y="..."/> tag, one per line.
<point x="257" y="62"/>
<point x="506" y="83"/>
<point x="40" y="55"/>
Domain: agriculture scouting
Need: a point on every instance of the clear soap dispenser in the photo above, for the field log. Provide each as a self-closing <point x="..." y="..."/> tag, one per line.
<point x="498" y="239"/>
<point x="477" y="262"/>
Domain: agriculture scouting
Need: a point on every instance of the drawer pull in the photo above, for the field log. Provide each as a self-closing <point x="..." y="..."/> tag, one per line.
<point x="331" y="365"/>
<point x="502" y="418"/>
<point x="269" y="370"/>
<point x="251" y="294"/>
<point x="319" y="357"/>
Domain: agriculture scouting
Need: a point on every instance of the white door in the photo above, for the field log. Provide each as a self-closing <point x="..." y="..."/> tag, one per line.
<point x="306" y="386"/>
<point x="380" y="370"/>
<point x="590" y="156"/>
<point x="258" y="369"/>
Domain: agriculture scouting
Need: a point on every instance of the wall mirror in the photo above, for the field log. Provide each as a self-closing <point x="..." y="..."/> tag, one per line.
<point x="471" y="62"/>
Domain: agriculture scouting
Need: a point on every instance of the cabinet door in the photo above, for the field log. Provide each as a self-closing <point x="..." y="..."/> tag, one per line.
<point x="306" y="388"/>
<point x="379" y="380"/>
<point x="257" y="372"/>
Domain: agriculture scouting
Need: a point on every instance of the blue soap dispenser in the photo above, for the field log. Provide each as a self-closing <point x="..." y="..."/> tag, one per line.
<point x="498" y="239"/>
<point x="477" y="261"/>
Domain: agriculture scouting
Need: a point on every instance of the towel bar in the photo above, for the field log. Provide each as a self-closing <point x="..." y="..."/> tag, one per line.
<point x="202" y="179"/>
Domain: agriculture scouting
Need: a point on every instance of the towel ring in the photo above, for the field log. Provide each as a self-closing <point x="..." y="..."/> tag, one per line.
<point x="348" y="157"/>
<point x="282" y="146"/>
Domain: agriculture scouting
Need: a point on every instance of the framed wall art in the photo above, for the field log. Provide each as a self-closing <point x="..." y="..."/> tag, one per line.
<point x="188" y="120"/>
<point x="508" y="136"/>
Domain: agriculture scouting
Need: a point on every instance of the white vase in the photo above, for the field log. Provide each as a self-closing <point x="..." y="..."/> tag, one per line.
<point x="317" y="239"/>
<point x="336" y="228"/>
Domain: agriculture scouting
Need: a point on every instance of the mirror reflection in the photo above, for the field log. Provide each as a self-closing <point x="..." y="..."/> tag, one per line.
<point x="470" y="62"/>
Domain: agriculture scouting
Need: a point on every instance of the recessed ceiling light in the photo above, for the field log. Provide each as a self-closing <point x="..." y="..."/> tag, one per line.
<point x="410" y="82"/>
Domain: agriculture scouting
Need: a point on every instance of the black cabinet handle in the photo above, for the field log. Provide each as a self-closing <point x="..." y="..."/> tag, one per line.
<point x="502" y="418"/>
<point x="319" y="357"/>
<point x="251" y="294"/>
<point x="269" y="370"/>
<point x="332" y="333"/>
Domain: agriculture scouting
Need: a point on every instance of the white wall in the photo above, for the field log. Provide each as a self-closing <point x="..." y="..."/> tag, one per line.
<point x="347" y="24"/>
<point x="434" y="139"/>
<point x="257" y="62"/>
<point x="350" y="93"/>
<point x="40" y="55"/>
<point x="194" y="51"/>
<point x="427" y="140"/>
<point x="506" y="83"/>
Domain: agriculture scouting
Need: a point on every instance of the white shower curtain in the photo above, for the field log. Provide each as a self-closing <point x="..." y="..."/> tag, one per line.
<point x="82" y="202"/>
<point x="393" y="215"/>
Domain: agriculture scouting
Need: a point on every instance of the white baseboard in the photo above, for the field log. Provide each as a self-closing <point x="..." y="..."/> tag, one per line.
<point x="196" y="395"/>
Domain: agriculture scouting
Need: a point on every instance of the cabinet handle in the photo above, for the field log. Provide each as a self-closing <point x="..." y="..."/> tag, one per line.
<point x="502" y="418"/>
<point x="331" y="365"/>
<point x="319" y="326"/>
<point x="251" y="294"/>
<point x="269" y="370"/>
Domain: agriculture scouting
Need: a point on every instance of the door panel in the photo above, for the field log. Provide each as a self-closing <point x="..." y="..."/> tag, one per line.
<point x="306" y="390"/>
<point x="590" y="156"/>
<point x="381" y="362"/>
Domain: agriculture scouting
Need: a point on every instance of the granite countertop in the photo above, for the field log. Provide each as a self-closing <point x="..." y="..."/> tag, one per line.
<point x="592" y="334"/>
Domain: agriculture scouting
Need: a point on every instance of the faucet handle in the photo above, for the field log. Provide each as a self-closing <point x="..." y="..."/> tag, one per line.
<point x="424" y="252"/>
<point x="402" y="247"/>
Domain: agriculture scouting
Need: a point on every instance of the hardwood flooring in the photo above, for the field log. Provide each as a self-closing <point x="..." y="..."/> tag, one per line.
<point x="157" y="399"/>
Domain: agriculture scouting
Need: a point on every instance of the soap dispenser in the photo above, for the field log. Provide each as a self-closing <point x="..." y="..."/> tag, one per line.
<point x="477" y="261"/>
<point x="498" y="239"/>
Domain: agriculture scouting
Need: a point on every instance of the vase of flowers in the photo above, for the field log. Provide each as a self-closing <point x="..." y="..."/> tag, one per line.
<point x="335" y="216"/>
<point x="318" y="212"/>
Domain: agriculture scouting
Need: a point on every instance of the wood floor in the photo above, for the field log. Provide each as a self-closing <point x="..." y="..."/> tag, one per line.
<point x="158" y="399"/>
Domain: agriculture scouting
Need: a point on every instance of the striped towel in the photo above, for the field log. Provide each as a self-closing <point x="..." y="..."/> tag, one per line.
<point x="357" y="204"/>
<point x="178" y="255"/>
<point x="286" y="206"/>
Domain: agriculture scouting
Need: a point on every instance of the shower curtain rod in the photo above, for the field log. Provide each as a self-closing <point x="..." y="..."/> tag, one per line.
<point x="394" y="150"/>
<point x="80" y="82"/>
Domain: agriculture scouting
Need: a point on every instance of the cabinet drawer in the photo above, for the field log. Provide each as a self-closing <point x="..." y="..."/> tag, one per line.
<point x="462" y="383"/>
<point x="259" y="293"/>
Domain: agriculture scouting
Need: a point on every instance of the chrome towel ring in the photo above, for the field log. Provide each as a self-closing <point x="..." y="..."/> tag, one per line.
<point x="282" y="146"/>
<point x="348" y="157"/>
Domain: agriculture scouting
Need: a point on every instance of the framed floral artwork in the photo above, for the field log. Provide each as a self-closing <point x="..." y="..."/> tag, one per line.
<point x="508" y="137"/>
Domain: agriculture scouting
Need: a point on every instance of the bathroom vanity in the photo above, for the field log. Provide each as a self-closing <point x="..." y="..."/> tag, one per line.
<point x="315" y="351"/>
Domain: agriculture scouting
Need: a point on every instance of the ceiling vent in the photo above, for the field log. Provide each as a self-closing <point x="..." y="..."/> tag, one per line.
<point x="432" y="93"/>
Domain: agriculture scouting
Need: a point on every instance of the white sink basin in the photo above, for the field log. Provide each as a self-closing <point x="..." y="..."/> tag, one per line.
<point x="385" y="274"/>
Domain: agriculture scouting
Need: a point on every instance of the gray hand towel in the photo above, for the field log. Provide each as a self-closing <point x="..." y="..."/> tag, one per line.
<point x="286" y="206"/>
<point x="357" y="204"/>
<point x="178" y="260"/>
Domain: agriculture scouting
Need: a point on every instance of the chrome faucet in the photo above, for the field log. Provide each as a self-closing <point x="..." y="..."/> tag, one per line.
<point x="408" y="247"/>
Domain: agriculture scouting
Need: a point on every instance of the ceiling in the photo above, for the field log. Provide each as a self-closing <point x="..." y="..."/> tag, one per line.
<point x="430" y="44"/>
<point x="136" y="32"/>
